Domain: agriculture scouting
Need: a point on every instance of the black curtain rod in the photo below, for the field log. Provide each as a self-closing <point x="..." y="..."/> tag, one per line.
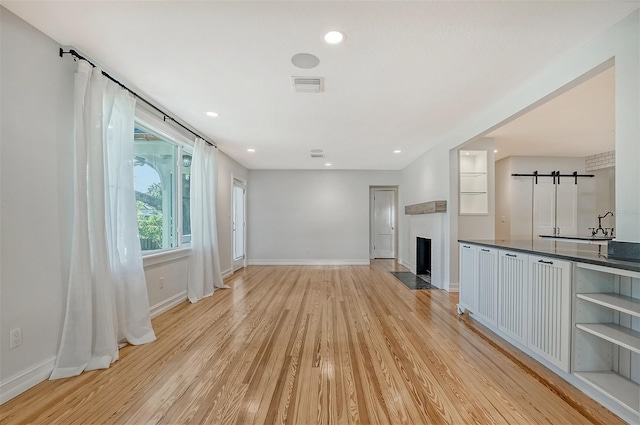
<point x="165" y="116"/>
<point x="555" y="175"/>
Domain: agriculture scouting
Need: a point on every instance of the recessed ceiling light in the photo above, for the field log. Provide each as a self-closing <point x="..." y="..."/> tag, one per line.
<point x="251" y="150"/>
<point x="334" y="37"/>
<point x="495" y="151"/>
<point x="328" y="164"/>
<point x="397" y="151"/>
<point x="213" y="114"/>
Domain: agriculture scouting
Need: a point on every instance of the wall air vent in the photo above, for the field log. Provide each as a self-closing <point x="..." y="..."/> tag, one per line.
<point x="317" y="155"/>
<point x="307" y="84"/>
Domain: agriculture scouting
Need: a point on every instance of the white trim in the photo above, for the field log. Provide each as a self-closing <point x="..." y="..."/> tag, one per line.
<point x="610" y="270"/>
<point x="21" y="382"/>
<point x="404" y="263"/>
<point x="165" y="256"/>
<point x="243" y="183"/>
<point x="309" y="262"/>
<point x="152" y="122"/>
<point x="454" y="287"/>
<point x="168" y="304"/>
<point x="227" y="273"/>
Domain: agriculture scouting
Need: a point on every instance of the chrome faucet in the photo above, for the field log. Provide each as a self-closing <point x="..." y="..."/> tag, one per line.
<point x="605" y="233"/>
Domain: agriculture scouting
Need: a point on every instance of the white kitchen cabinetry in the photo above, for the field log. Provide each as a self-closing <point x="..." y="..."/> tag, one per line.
<point x="555" y="207"/>
<point x="549" y="305"/>
<point x="473" y="182"/>
<point x="607" y="337"/>
<point x="467" y="295"/>
<point x="513" y="286"/>
<point x="487" y="285"/>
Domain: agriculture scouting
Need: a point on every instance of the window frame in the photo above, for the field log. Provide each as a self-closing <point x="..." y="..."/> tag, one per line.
<point x="181" y="144"/>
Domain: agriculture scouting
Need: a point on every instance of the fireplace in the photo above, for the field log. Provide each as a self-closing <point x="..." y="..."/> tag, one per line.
<point x="423" y="258"/>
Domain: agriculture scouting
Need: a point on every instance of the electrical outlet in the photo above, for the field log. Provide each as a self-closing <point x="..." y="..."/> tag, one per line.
<point x="16" y="338"/>
<point x="162" y="282"/>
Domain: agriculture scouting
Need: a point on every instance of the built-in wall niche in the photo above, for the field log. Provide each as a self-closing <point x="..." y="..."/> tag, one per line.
<point x="473" y="182"/>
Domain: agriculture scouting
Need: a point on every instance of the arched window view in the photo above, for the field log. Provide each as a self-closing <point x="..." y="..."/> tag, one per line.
<point x="157" y="193"/>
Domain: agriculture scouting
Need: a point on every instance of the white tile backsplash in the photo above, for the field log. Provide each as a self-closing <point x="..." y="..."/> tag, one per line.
<point x="600" y="160"/>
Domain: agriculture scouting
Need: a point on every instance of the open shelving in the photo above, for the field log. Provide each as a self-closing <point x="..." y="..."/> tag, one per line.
<point x="606" y="352"/>
<point x="473" y="182"/>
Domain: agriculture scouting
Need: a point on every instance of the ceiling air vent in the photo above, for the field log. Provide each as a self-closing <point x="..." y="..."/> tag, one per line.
<point x="317" y="153"/>
<point x="307" y="84"/>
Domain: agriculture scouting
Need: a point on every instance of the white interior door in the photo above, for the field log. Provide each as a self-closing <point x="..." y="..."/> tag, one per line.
<point x="239" y="226"/>
<point x="544" y="207"/>
<point x="567" y="207"/>
<point x="384" y="224"/>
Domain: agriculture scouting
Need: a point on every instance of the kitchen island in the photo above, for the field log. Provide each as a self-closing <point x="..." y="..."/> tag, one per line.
<point x="568" y="305"/>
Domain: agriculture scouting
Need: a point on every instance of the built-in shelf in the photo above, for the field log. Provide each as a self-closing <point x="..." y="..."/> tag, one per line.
<point x="614" y="386"/>
<point x="619" y="335"/>
<point x="617" y="302"/>
<point x="606" y="334"/>
<point x="473" y="182"/>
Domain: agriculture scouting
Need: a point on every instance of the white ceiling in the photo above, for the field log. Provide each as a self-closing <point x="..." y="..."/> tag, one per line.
<point x="407" y="74"/>
<point x="580" y="122"/>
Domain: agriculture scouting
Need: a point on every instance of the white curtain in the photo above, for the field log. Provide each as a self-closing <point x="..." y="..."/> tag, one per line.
<point x="107" y="300"/>
<point x="204" y="271"/>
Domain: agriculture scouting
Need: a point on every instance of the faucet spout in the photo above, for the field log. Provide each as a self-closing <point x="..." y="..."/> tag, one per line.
<point x="594" y="232"/>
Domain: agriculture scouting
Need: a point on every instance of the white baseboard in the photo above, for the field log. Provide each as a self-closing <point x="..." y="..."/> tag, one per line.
<point x="404" y="263"/>
<point x="454" y="287"/>
<point x="309" y="262"/>
<point x="167" y="304"/>
<point x="227" y="273"/>
<point x="20" y="383"/>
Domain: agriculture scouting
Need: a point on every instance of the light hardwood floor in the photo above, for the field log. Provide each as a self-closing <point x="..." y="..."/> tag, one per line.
<point x="314" y="345"/>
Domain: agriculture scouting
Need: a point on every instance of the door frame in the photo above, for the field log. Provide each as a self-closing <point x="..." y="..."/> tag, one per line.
<point x="236" y="181"/>
<point x="372" y="191"/>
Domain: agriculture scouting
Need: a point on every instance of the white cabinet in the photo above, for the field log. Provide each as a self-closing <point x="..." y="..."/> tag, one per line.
<point x="487" y="285"/>
<point x="467" y="295"/>
<point x="513" y="286"/>
<point x="555" y="207"/>
<point x="607" y="337"/>
<point x="549" y="306"/>
<point x="473" y="182"/>
<point x="526" y="298"/>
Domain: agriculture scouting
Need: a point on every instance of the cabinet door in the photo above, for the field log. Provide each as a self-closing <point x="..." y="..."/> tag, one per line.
<point x="487" y="286"/>
<point x="513" y="287"/>
<point x="567" y="207"/>
<point x="544" y="207"/>
<point x="467" y="296"/>
<point x="549" y="305"/>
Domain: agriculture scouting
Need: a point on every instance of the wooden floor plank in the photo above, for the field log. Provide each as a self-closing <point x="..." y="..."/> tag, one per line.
<point x="314" y="345"/>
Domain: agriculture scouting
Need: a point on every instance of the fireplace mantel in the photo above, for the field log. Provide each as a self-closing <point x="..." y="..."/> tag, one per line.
<point x="426" y="208"/>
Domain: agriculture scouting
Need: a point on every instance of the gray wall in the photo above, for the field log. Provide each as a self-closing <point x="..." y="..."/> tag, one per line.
<point x="36" y="184"/>
<point x="311" y="216"/>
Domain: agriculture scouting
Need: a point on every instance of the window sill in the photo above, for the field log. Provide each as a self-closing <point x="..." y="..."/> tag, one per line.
<point x="161" y="257"/>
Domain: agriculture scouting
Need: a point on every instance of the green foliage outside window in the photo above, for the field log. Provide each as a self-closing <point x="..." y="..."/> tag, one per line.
<point x="149" y="207"/>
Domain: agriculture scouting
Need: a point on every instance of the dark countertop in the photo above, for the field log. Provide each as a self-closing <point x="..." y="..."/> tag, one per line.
<point x="572" y="251"/>
<point x="579" y="237"/>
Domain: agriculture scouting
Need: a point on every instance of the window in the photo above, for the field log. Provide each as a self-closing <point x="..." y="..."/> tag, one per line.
<point x="162" y="200"/>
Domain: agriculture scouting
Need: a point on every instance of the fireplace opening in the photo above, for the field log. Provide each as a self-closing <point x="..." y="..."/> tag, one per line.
<point x="423" y="258"/>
